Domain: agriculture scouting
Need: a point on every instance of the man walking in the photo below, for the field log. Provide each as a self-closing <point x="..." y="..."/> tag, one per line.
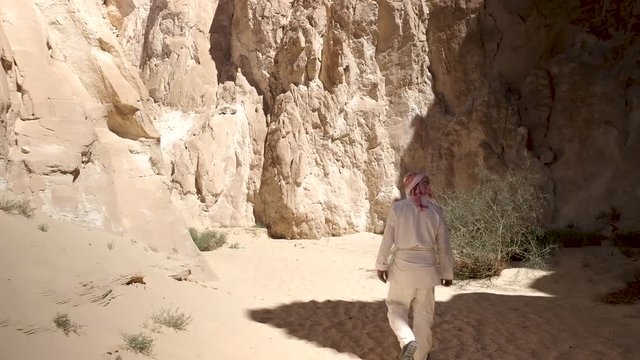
<point x="415" y="232"/>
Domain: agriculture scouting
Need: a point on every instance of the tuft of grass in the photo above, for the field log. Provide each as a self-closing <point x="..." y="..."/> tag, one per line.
<point x="235" y="245"/>
<point x="139" y="343"/>
<point x="43" y="227"/>
<point x="17" y="207"/>
<point x="626" y="296"/>
<point x="64" y="323"/>
<point x="571" y="237"/>
<point x="111" y="245"/>
<point x="495" y="222"/>
<point x="172" y="318"/>
<point x="208" y="240"/>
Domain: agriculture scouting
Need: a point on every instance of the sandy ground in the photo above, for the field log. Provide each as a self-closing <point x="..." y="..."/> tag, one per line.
<point x="279" y="299"/>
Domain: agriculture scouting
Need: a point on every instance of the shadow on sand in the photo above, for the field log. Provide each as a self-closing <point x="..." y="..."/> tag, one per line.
<point x="469" y="326"/>
<point x="474" y="326"/>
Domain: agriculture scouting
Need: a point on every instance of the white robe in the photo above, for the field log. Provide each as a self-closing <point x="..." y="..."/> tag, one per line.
<point x="411" y="240"/>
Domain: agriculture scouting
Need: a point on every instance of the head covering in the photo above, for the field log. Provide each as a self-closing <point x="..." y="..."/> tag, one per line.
<point x="416" y="186"/>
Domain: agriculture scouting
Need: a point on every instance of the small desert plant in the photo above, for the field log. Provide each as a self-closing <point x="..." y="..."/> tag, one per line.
<point x="627" y="239"/>
<point x="494" y="222"/>
<point x="234" y="246"/>
<point x="172" y="318"/>
<point x="628" y="295"/>
<point x="139" y="343"/>
<point x="17" y="207"/>
<point x="208" y="240"/>
<point x="111" y="245"/>
<point x="64" y="323"/>
<point x="43" y="227"/>
<point x="628" y="243"/>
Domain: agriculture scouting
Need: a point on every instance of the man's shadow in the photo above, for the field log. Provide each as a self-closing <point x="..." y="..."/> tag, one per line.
<point x="473" y="326"/>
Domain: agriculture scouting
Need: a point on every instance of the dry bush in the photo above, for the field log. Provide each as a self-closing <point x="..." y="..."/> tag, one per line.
<point x="628" y="243"/>
<point x="627" y="239"/>
<point x="494" y="222"/>
<point x="172" y="318"/>
<point x="139" y="343"/>
<point x="64" y="323"/>
<point x="17" y="207"/>
<point x="208" y="240"/>
<point x="628" y="295"/>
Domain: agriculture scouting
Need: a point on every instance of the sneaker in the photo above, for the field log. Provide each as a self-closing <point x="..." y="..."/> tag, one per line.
<point x="408" y="350"/>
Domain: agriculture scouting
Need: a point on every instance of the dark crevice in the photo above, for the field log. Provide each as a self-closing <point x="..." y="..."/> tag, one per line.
<point x="157" y="7"/>
<point x="220" y="39"/>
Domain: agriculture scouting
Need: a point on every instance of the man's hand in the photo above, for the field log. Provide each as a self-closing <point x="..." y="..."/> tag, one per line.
<point x="446" y="282"/>
<point x="383" y="275"/>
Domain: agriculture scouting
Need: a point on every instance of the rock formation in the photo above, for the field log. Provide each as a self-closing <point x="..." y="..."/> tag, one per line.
<point x="302" y="115"/>
<point x="78" y="135"/>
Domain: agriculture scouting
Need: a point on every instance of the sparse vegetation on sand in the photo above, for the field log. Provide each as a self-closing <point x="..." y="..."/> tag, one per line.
<point x="139" y="343"/>
<point x="172" y="318"/>
<point x="43" y="227"/>
<point x="628" y="295"/>
<point x="494" y="222"/>
<point x="17" y="207"/>
<point x="64" y="323"/>
<point x="208" y="240"/>
<point x="628" y="242"/>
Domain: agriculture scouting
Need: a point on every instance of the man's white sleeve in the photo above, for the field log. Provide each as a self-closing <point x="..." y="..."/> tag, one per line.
<point x="445" y="254"/>
<point x="382" y="263"/>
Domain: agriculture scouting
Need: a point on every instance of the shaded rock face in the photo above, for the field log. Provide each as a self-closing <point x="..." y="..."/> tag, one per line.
<point x="303" y="115"/>
<point x="551" y="85"/>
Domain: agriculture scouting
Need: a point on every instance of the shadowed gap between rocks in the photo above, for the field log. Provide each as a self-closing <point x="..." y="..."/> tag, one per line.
<point x="220" y="38"/>
<point x="157" y="7"/>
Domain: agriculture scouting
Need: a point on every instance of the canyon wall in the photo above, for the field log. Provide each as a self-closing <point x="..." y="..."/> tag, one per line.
<point x="302" y="115"/>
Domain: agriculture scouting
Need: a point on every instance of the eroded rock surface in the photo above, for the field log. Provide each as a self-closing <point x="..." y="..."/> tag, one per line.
<point x="78" y="137"/>
<point x="302" y="115"/>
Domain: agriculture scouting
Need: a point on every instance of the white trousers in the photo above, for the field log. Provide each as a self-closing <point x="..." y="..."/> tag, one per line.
<point x="422" y="302"/>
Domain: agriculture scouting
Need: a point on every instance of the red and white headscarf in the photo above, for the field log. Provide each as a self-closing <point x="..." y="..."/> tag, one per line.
<point x="416" y="186"/>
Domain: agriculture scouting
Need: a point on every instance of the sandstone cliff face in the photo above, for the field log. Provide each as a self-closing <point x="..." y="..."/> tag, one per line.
<point x="342" y="83"/>
<point x="302" y="115"/>
<point x="77" y="132"/>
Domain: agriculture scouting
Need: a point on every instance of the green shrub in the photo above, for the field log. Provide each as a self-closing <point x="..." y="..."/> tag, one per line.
<point x="172" y="318"/>
<point x="495" y="222"/>
<point x="17" y="207"/>
<point x="139" y="343"/>
<point x="208" y="240"/>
